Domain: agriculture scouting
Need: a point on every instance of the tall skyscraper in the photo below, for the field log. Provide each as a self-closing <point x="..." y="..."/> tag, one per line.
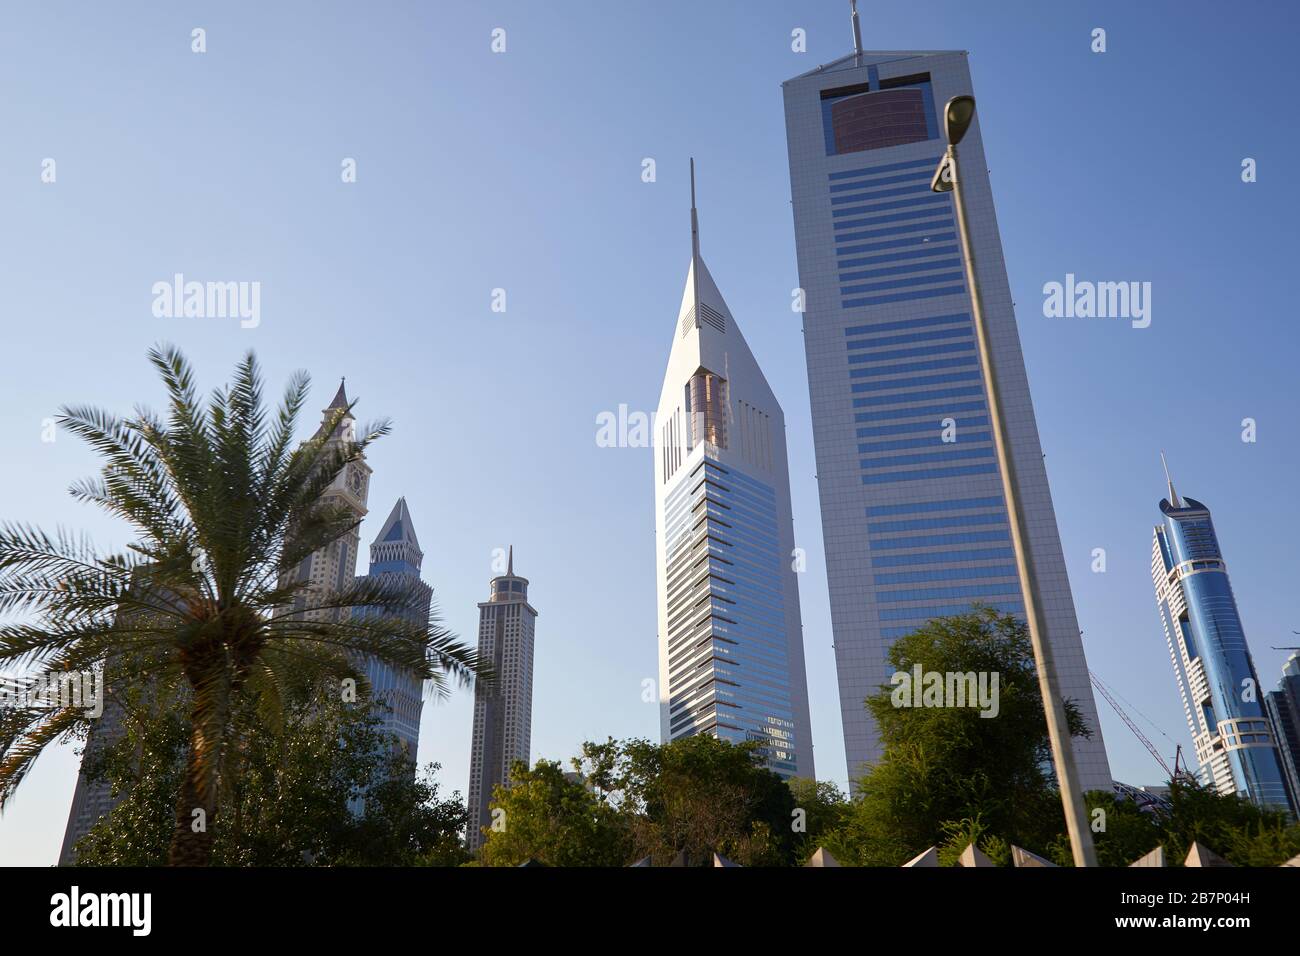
<point x="913" y="517"/>
<point x="395" y="556"/>
<point x="730" y="638"/>
<point x="1283" y="706"/>
<point x="332" y="567"/>
<point x="503" y="713"/>
<point x="1207" y="645"/>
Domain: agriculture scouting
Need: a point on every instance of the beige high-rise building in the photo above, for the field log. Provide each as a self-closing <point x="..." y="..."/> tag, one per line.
<point x="503" y="713"/>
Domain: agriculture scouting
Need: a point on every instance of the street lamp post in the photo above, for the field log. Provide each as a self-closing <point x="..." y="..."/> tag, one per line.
<point x="957" y="118"/>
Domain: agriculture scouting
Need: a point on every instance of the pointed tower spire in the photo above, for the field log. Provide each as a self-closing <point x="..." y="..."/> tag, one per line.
<point x="695" y="246"/>
<point x="1173" y="495"/>
<point x="510" y="562"/>
<point x="340" y="397"/>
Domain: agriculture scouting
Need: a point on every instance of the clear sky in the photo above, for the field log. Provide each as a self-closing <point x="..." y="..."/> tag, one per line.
<point x="522" y="171"/>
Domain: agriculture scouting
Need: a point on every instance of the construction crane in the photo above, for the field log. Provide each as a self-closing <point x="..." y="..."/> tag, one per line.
<point x="1096" y="682"/>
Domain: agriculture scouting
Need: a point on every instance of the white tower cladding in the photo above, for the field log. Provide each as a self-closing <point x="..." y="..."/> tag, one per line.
<point x="730" y="637"/>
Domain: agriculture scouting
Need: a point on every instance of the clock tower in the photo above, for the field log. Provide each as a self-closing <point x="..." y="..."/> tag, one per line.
<point x="332" y="567"/>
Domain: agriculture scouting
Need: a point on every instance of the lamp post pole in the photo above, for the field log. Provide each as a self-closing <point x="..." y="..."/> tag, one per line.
<point x="958" y="115"/>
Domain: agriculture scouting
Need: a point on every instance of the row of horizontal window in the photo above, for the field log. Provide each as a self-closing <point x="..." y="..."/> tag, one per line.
<point x="883" y="181"/>
<point x="911" y="428"/>
<point x="945" y="574"/>
<point x="902" y="297"/>
<point x="946" y="556"/>
<point x="953" y="453"/>
<point x="942" y="223"/>
<point x="923" y="200"/>
<point x="928" y="524"/>
<point x="866" y="346"/>
<point x="922" y="279"/>
<point x="920" y="267"/>
<point x="929" y="613"/>
<point x="877" y="170"/>
<point x="892" y="355"/>
<point x="906" y="368"/>
<point x="906" y="255"/>
<point x="922" y="381"/>
<point x="906" y="215"/>
<point x="928" y="594"/>
<point x="898" y="242"/>
<point x="928" y="395"/>
<point x="866" y="448"/>
<point x="915" y="507"/>
<point x="928" y="473"/>
<point x="900" y="325"/>
<point x="926" y="411"/>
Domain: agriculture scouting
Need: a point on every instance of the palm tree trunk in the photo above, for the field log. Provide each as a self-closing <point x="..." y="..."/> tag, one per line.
<point x="209" y="717"/>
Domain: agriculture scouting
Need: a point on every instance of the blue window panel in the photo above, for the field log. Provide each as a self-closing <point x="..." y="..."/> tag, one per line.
<point x="931" y="200"/>
<point x="947" y="574"/>
<point x="892" y="217"/>
<point x="928" y="613"/>
<point x="915" y="427"/>
<point x="906" y="324"/>
<point x="941" y="223"/>
<point x="889" y="168"/>
<point x="925" y="524"/>
<point x="933" y="441"/>
<point x="899" y="256"/>
<point x="900" y="270"/>
<point x="957" y="591"/>
<point x="929" y="473"/>
<point x="900" y="283"/>
<point x="952" y="454"/>
<point x="875" y="371"/>
<point x="942" y="557"/>
<point x="962" y="331"/>
<point x="901" y="297"/>
<point x="960" y="504"/>
<point x="879" y="194"/>
<point x="893" y="243"/>
<point x="885" y="181"/>
<point x="895" y="414"/>
<point x="942" y="349"/>
<point x="917" y="397"/>
<point x="939" y="540"/>
<point x="916" y="382"/>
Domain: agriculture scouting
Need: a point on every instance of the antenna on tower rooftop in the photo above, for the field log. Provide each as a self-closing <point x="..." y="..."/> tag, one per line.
<point x="695" y="248"/>
<point x="1173" y="495"/>
<point x="857" y="29"/>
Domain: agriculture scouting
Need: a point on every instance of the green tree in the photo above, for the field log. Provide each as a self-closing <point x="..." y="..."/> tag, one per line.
<point x="546" y="816"/>
<point x="223" y="508"/>
<point x="325" y="787"/>
<point x="945" y="768"/>
<point x="697" y="795"/>
<point x="825" y="812"/>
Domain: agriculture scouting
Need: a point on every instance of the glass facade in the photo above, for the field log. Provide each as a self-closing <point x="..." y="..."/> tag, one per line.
<point x="728" y="665"/>
<point x="1221" y="693"/>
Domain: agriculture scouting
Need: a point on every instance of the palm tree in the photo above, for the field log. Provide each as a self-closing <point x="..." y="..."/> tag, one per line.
<point x="206" y="599"/>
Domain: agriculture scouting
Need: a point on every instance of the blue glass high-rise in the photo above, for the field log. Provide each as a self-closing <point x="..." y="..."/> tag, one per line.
<point x="1222" y="696"/>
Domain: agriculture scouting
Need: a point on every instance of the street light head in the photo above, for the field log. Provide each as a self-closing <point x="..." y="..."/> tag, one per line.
<point x="957" y="116"/>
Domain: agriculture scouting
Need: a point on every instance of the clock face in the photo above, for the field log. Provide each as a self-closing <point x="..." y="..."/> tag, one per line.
<point x="356" y="480"/>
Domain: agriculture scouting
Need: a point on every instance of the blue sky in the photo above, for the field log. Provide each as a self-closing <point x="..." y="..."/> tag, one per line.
<point x="522" y="171"/>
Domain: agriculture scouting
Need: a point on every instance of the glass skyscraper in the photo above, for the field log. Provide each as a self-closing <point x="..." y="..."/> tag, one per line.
<point x="1222" y="696"/>
<point x="731" y="658"/>
<point x="395" y="556"/>
<point x="913" y="517"/>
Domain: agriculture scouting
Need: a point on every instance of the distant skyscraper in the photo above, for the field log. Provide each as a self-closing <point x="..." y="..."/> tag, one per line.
<point x="1283" y="706"/>
<point x="1207" y="644"/>
<point x="395" y="556"/>
<point x="93" y="800"/>
<point x="913" y="518"/>
<point x="503" y="713"/>
<point x="731" y="658"/>
<point x="331" y="568"/>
